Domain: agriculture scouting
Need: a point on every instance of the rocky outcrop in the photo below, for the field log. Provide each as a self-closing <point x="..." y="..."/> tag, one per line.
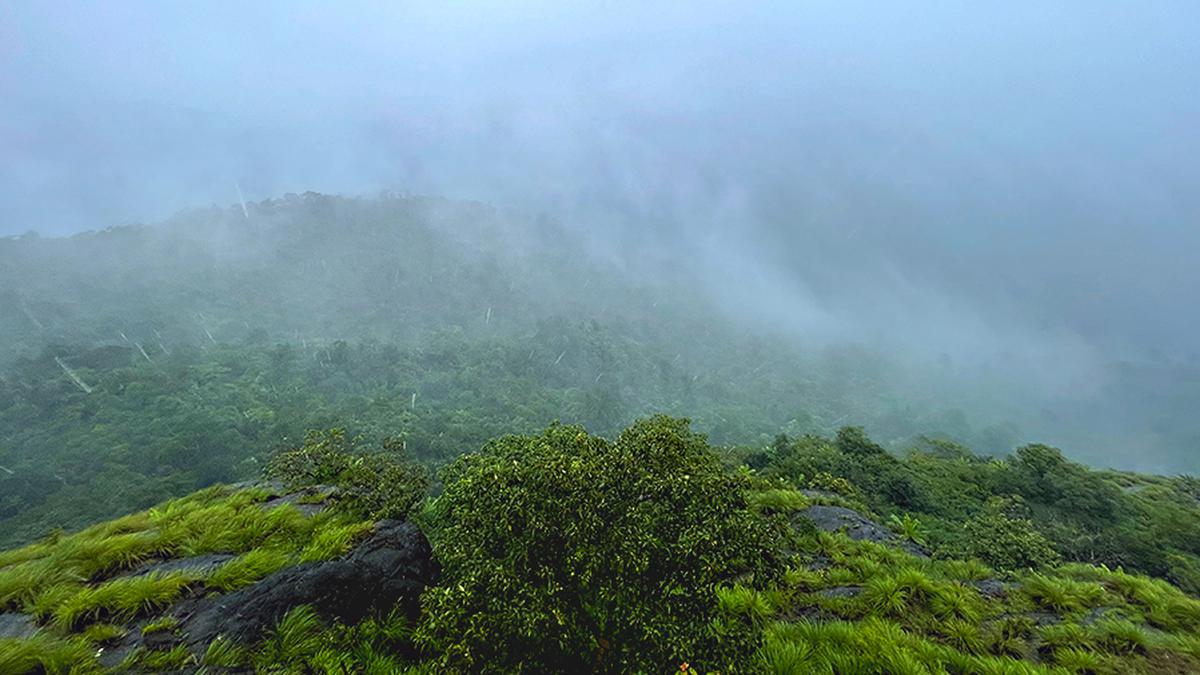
<point x="390" y="569"/>
<point x="198" y="565"/>
<point x="15" y="625"/>
<point x="857" y="527"/>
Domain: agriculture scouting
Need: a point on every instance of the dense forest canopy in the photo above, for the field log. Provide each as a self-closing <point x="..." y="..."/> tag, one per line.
<point x="141" y="361"/>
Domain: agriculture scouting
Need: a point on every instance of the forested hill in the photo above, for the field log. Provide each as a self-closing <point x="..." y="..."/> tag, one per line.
<point x="141" y="362"/>
<point x="308" y="267"/>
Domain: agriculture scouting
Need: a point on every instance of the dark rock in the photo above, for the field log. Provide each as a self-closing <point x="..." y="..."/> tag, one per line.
<point x="200" y="565"/>
<point x="274" y="487"/>
<point x="818" y="563"/>
<point x="309" y="500"/>
<point x="841" y="592"/>
<point x="992" y="588"/>
<point x="1098" y="613"/>
<point x="819" y="494"/>
<point x="15" y="625"/>
<point x="1044" y="618"/>
<point x="160" y="640"/>
<point x="857" y="527"/>
<point x="390" y="569"/>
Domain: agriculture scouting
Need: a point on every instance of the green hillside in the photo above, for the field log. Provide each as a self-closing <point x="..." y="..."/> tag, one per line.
<point x="653" y="551"/>
<point x="502" y="478"/>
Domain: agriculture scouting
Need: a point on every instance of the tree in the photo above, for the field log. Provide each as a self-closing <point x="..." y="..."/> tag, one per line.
<point x="564" y="544"/>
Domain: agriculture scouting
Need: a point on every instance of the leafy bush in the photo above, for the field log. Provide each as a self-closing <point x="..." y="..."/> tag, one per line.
<point x="370" y="485"/>
<point x="565" y="551"/>
<point x="1005" y="541"/>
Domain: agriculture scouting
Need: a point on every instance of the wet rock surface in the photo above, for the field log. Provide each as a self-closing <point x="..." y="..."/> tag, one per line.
<point x="199" y="565"/>
<point x="390" y="569"/>
<point x="992" y="588"/>
<point x="309" y="500"/>
<point x="857" y="527"/>
<point x="16" y="625"/>
<point x="841" y="592"/>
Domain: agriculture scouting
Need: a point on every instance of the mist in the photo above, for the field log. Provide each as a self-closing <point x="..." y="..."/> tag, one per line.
<point x="1006" y="192"/>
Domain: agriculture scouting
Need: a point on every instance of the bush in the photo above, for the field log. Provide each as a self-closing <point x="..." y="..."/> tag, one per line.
<point x="1006" y="542"/>
<point x="370" y="485"/>
<point x="564" y="551"/>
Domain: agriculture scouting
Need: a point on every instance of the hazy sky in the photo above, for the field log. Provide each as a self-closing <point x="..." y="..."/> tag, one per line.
<point x="1019" y="175"/>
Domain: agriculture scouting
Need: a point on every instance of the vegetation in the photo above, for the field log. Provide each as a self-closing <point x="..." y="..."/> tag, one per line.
<point x="595" y="544"/>
<point x="565" y="546"/>
<point x="653" y="551"/>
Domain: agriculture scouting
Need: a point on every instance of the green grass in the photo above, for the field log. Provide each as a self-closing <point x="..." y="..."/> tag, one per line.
<point x="46" y="653"/>
<point x="298" y="635"/>
<point x="334" y="540"/>
<point x="1120" y="637"/>
<point x="103" y="633"/>
<point x="1063" y="595"/>
<point x="222" y="653"/>
<point x="146" y="660"/>
<point x="747" y="602"/>
<point x="67" y="579"/>
<point x="122" y="599"/>
<point x="248" y="568"/>
<point x="164" y="624"/>
<point x="945" y="625"/>
<point x="779" y="500"/>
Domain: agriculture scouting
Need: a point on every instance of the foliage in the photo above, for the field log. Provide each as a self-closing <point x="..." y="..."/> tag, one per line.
<point x="643" y="553"/>
<point x="1006" y="541"/>
<point x="46" y="653"/>
<point x="564" y="546"/>
<point x="368" y="485"/>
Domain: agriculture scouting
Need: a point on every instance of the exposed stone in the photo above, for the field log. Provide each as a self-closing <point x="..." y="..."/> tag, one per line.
<point x="390" y="569"/>
<point x="841" y="592"/>
<point x="199" y="565"/>
<point x="309" y="500"/>
<point x="818" y="563"/>
<point x="992" y="588"/>
<point x="16" y="625"/>
<point x="857" y="527"/>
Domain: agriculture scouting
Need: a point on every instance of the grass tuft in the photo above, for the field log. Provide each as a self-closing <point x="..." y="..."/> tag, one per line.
<point x="247" y="569"/>
<point x="121" y="599"/>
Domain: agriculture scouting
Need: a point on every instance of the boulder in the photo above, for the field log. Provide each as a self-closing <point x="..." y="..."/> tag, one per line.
<point x="390" y="569"/>
<point x="857" y="527"/>
<point x="16" y="625"/>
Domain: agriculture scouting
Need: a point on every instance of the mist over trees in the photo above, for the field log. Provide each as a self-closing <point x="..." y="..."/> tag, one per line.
<point x="819" y="337"/>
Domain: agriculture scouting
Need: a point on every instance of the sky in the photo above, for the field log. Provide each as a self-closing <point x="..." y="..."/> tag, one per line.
<point x="977" y="178"/>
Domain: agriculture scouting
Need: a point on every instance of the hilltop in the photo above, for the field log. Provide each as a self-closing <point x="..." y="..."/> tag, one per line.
<point x="144" y="362"/>
<point x="653" y="551"/>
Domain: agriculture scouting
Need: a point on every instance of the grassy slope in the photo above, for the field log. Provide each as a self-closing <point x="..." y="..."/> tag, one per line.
<point x="76" y="587"/>
<point x="842" y="606"/>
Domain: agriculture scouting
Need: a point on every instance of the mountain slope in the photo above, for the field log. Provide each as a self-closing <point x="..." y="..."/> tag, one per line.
<point x="761" y="573"/>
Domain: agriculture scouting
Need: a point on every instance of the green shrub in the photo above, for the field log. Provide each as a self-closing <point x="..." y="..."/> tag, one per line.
<point x="381" y="486"/>
<point x="1005" y="542"/>
<point x="322" y="457"/>
<point x="370" y="485"/>
<point x="563" y="551"/>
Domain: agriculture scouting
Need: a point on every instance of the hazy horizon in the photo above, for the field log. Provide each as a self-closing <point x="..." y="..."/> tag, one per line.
<point x="1013" y="184"/>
